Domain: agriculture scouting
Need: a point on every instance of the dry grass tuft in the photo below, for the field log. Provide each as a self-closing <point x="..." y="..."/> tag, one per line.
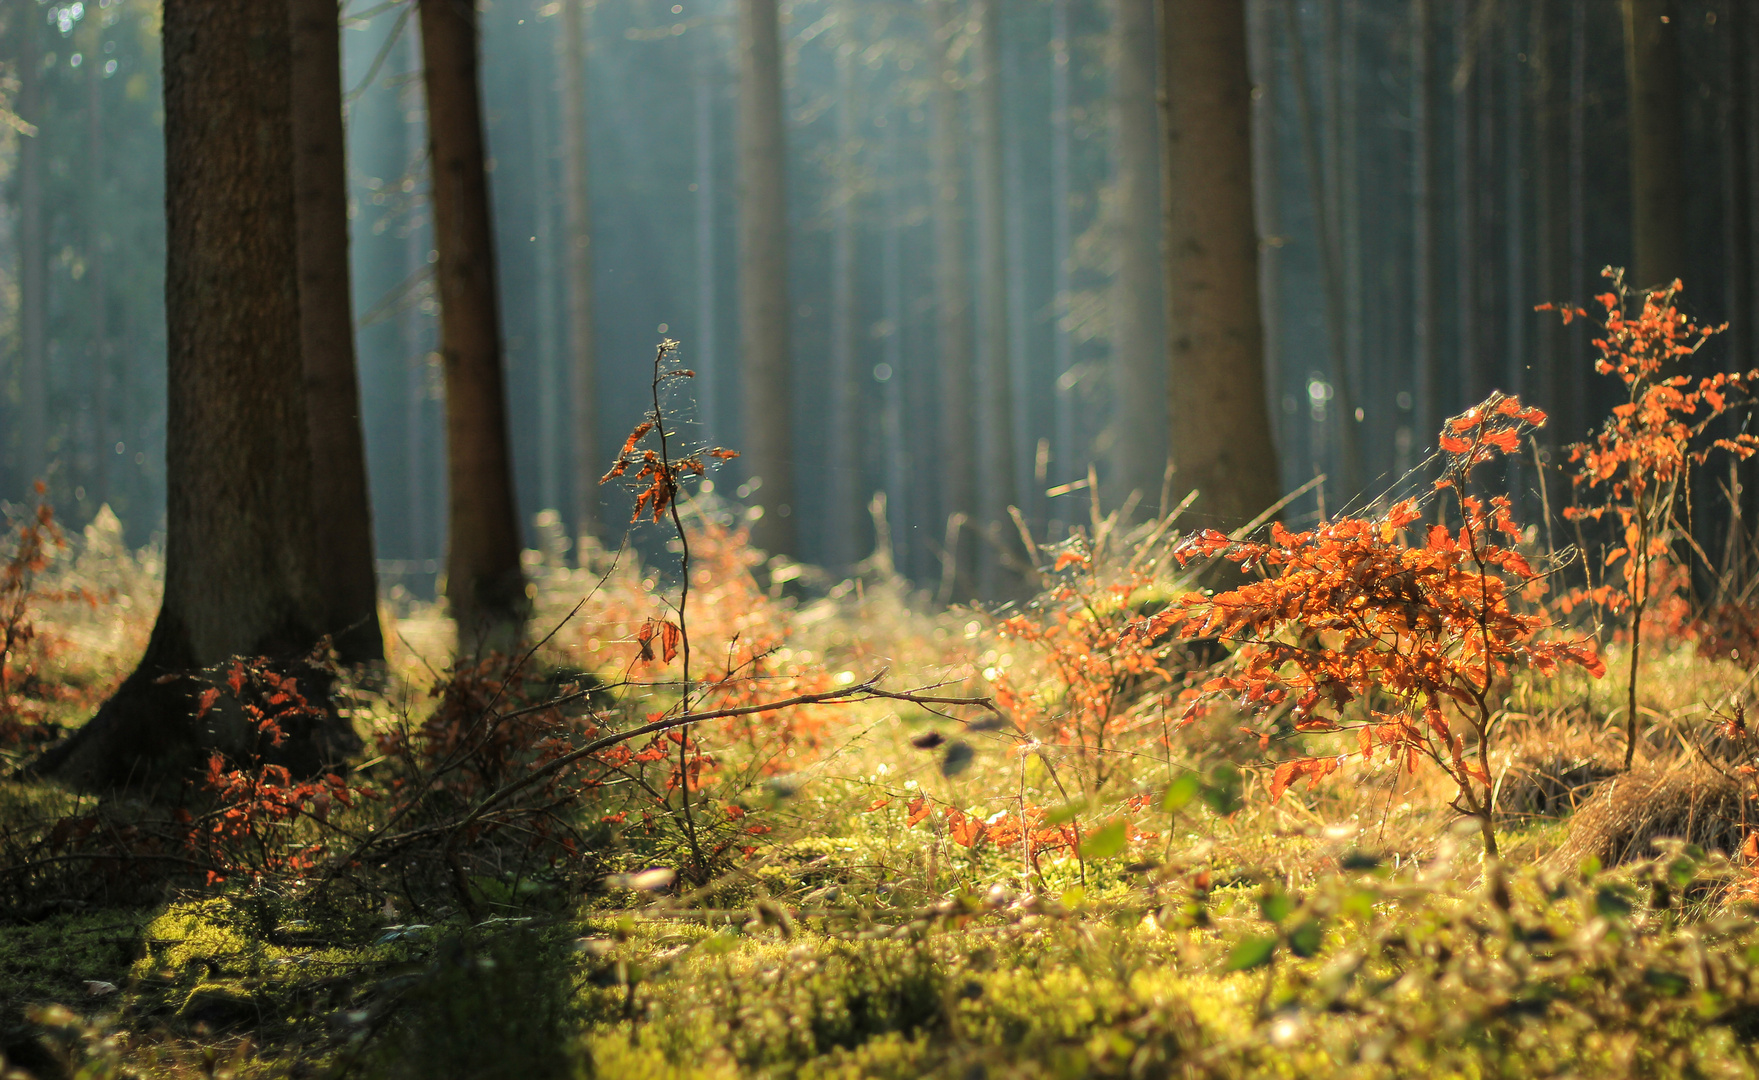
<point x="1688" y="800"/>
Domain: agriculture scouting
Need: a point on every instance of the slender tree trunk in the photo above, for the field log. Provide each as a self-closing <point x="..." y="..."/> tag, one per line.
<point x="341" y="507"/>
<point x="995" y="382"/>
<point x="583" y="368"/>
<point x="33" y="271"/>
<point x="766" y="354"/>
<point x="956" y="346"/>
<point x="1139" y="369"/>
<point x="1331" y="269"/>
<point x="1517" y="289"/>
<point x="552" y="381"/>
<point x="845" y="427"/>
<point x="97" y="258"/>
<point x="1068" y="459"/>
<point x="412" y="325"/>
<point x="1737" y="183"/>
<point x="1652" y="70"/>
<point x="241" y="575"/>
<point x="1267" y="194"/>
<point x="710" y="383"/>
<point x="1465" y="89"/>
<point x="1552" y="232"/>
<point x="1578" y="286"/>
<point x="1425" y="226"/>
<point x="1220" y="430"/>
<point x="483" y="579"/>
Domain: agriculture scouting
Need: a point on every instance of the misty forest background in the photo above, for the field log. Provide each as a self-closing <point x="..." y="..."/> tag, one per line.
<point x="1428" y="170"/>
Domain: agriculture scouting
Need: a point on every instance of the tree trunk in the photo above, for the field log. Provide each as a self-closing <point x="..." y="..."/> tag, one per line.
<point x="551" y="380"/>
<point x="764" y="314"/>
<point x="412" y="328"/>
<point x="1220" y="430"/>
<point x="583" y="370"/>
<point x="1425" y="227"/>
<point x="33" y="271"/>
<point x="709" y="378"/>
<point x="958" y="427"/>
<point x="1652" y="69"/>
<point x="1139" y="372"/>
<point x="845" y="429"/>
<point x="98" y="304"/>
<point x="1552" y="234"/>
<point x="1068" y="457"/>
<point x="241" y="575"/>
<point x="995" y="383"/>
<point x="1465" y="118"/>
<point x="484" y="583"/>
<point x="342" y="510"/>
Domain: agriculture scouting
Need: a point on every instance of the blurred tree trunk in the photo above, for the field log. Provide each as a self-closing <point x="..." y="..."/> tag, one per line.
<point x="412" y="106"/>
<point x="846" y="428"/>
<point x="582" y="338"/>
<point x="33" y="271"/>
<point x="1069" y="455"/>
<point x="1552" y="235"/>
<point x="1139" y="373"/>
<point x="765" y="352"/>
<point x="241" y="575"/>
<point x="551" y="375"/>
<point x="1267" y="191"/>
<point x="995" y="385"/>
<point x="484" y="583"/>
<point x="1425" y="227"/>
<point x="958" y="425"/>
<point x="1465" y="195"/>
<point x="343" y="514"/>
<point x="1219" y="427"/>
<point x="97" y="256"/>
<point x="1652" y="70"/>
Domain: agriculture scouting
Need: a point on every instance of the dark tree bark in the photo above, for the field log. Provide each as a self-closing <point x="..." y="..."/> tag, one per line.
<point x="1652" y="69"/>
<point x="1551" y="263"/>
<point x="995" y="383"/>
<point x="1425" y="227"/>
<point x="484" y="583"/>
<point x="341" y="506"/>
<point x="956" y="346"/>
<point x="33" y="270"/>
<point x="1220" y="431"/>
<point x="1139" y="371"/>
<point x="577" y="211"/>
<point x="240" y="559"/>
<point x="765" y="353"/>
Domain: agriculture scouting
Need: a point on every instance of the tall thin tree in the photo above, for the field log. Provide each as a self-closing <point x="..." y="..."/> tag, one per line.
<point x="583" y="345"/>
<point x="957" y="435"/>
<point x="764" y="315"/>
<point x="1652" y="70"/>
<point x="97" y="313"/>
<point x="1425" y="225"/>
<point x="996" y="488"/>
<point x="1220" y="429"/>
<point x="484" y="583"/>
<point x="33" y="269"/>
<point x="341" y="506"/>
<point x="241" y="575"/>
<point x="1137" y="450"/>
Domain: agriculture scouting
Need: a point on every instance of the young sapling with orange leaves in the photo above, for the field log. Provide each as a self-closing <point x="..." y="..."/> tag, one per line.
<point x="1360" y="609"/>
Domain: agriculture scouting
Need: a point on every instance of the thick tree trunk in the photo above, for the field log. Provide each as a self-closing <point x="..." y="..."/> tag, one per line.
<point x="1220" y="431"/>
<point x="241" y="575"/>
<point x="33" y="270"/>
<point x="765" y="352"/>
<point x="342" y="510"/>
<point x="484" y="583"/>
<point x="956" y="346"/>
<point x="1139" y="368"/>
<point x="1425" y="227"/>
<point x="582" y="339"/>
<point x="995" y="383"/>
<point x="1652" y="70"/>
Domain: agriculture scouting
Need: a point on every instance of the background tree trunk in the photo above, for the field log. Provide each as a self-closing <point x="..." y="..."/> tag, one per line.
<point x="241" y="573"/>
<point x="1220" y="431"/>
<point x="1652" y="68"/>
<point x="995" y="383"/>
<point x="764" y="314"/>
<point x="483" y="580"/>
<point x="33" y="271"/>
<point x="1139" y="372"/>
<point x="1425" y="228"/>
<point x="958" y="427"/>
<point x="583" y="343"/>
<point x="342" y="510"/>
<point x="847" y="502"/>
<point x="102" y="377"/>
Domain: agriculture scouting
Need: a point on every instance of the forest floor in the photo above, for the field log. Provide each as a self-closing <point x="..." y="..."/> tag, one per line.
<point x="876" y="887"/>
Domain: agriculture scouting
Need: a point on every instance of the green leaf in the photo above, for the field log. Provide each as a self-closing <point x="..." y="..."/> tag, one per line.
<point x="1250" y="953"/>
<point x="1105" y="842"/>
<point x="1180" y="793"/>
<point x="958" y="759"/>
<point x="1222" y="790"/>
<point x="1611" y="903"/>
<point x="1275" y="905"/>
<point x="1305" y="939"/>
<point x="1066" y="813"/>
